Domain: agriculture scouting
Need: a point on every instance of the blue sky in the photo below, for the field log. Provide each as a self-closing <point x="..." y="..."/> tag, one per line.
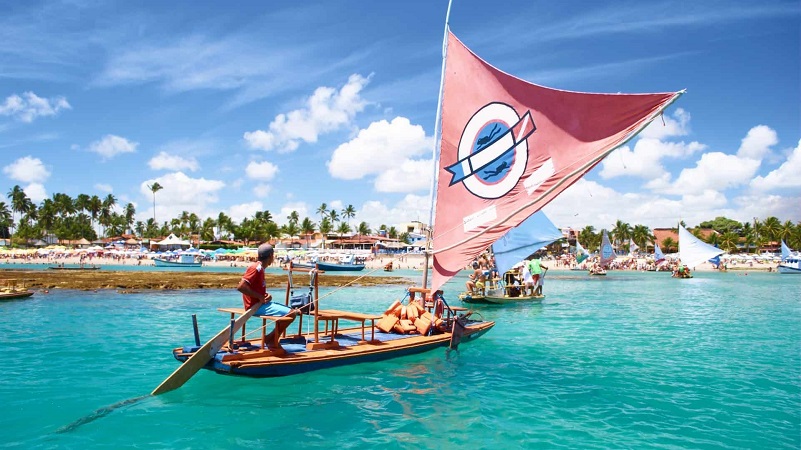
<point x="281" y="106"/>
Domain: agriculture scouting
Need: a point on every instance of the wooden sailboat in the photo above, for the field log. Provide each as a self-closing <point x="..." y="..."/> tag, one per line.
<point x="505" y="150"/>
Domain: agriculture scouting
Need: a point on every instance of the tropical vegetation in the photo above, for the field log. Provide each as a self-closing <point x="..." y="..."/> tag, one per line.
<point x="68" y="218"/>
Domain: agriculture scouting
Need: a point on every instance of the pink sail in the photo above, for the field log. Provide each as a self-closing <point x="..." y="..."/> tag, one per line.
<point x="509" y="147"/>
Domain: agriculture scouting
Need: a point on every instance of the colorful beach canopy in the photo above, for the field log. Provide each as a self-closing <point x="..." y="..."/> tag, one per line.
<point x="509" y="147"/>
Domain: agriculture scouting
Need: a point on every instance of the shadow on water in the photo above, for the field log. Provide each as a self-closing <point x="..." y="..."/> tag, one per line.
<point x="102" y="412"/>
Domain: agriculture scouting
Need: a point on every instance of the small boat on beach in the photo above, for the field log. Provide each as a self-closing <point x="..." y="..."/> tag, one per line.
<point x="182" y="261"/>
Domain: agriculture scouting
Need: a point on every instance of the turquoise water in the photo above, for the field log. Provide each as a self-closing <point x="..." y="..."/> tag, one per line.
<point x="632" y="360"/>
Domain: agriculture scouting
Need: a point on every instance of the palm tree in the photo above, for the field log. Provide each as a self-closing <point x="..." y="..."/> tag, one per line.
<point x="641" y="235"/>
<point x="333" y="216"/>
<point x="95" y="206"/>
<point x="155" y="187"/>
<point x="325" y="229"/>
<point x="322" y="210"/>
<point x="307" y="227"/>
<point x="130" y="214"/>
<point x="669" y="245"/>
<point x="293" y="217"/>
<point x="364" y="229"/>
<point x="20" y="203"/>
<point x="621" y="233"/>
<point x="343" y="229"/>
<point x="348" y="213"/>
<point x="6" y="220"/>
<point x="728" y="241"/>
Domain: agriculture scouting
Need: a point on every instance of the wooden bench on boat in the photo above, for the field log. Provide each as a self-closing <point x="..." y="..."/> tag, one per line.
<point x="327" y="315"/>
<point x="239" y="311"/>
<point x="334" y="315"/>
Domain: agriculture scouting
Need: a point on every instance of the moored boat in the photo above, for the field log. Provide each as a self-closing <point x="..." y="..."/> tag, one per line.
<point x="182" y="261"/>
<point x="790" y="262"/>
<point x="11" y="291"/>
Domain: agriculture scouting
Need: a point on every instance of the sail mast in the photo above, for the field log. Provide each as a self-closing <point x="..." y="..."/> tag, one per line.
<point x="435" y="152"/>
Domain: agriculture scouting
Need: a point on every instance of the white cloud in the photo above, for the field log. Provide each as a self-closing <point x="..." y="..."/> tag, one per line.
<point x="411" y="207"/>
<point x="27" y="170"/>
<point x="715" y="171"/>
<point x="788" y="175"/>
<point x="165" y="161"/>
<point x="410" y="176"/>
<point x="386" y="150"/>
<point x="262" y="190"/>
<point x="326" y="110"/>
<point x="666" y="126"/>
<point x="29" y="106"/>
<point x="589" y="203"/>
<point x="112" y="145"/>
<point x="36" y="192"/>
<point x="264" y="170"/>
<point x="756" y="144"/>
<point x="244" y="210"/>
<point x="182" y="193"/>
<point x="104" y="187"/>
<point x="645" y="161"/>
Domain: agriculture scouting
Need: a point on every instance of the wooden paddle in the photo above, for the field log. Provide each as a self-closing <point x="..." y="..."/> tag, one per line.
<point x="202" y="356"/>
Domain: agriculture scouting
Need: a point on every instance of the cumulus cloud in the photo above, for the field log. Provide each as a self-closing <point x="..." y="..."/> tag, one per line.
<point x="645" y="160"/>
<point x="715" y="170"/>
<point x="104" y="187"/>
<point x="326" y="110"/>
<point x="262" y="190"/>
<point x="667" y="126"/>
<point x="410" y="176"/>
<point x="590" y="203"/>
<point x="110" y="146"/>
<point x="386" y="150"/>
<point x="36" y="192"/>
<point x="264" y="170"/>
<point x="27" y="170"/>
<point x="244" y="210"/>
<point x="182" y="193"/>
<point x="784" y="177"/>
<point x="165" y="161"/>
<point x="30" y="106"/>
<point x="756" y="144"/>
<point x="410" y="208"/>
<point x="300" y="207"/>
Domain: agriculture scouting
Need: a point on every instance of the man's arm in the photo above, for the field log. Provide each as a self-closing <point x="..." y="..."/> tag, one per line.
<point x="244" y="287"/>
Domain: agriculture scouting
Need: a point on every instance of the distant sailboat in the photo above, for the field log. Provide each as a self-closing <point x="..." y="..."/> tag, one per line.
<point x="607" y="252"/>
<point x="581" y="255"/>
<point x="791" y="263"/>
<point x="693" y="251"/>
<point x="659" y="257"/>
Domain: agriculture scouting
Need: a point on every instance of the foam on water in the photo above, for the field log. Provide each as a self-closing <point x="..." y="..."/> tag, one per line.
<point x="632" y="360"/>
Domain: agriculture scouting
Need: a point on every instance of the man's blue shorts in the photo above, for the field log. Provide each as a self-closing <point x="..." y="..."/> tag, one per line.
<point x="273" y="309"/>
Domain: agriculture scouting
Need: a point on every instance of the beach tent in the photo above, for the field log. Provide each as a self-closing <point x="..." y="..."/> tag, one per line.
<point x="172" y="242"/>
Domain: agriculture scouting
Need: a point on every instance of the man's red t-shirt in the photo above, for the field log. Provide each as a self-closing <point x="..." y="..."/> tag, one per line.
<point x="254" y="276"/>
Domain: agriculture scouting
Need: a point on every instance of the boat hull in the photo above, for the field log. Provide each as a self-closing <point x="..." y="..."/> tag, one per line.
<point x="498" y="300"/>
<point x="293" y="363"/>
<point x="15" y="295"/>
<point x="165" y="263"/>
<point x="789" y="269"/>
<point x="329" y="267"/>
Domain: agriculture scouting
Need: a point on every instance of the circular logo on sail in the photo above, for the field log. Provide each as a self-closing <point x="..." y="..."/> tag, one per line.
<point x="606" y="251"/>
<point x="493" y="151"/>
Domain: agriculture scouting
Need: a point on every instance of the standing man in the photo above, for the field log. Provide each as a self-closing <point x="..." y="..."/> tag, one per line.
<point x="254" y="291"/>
<point x="535" y="267"/>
